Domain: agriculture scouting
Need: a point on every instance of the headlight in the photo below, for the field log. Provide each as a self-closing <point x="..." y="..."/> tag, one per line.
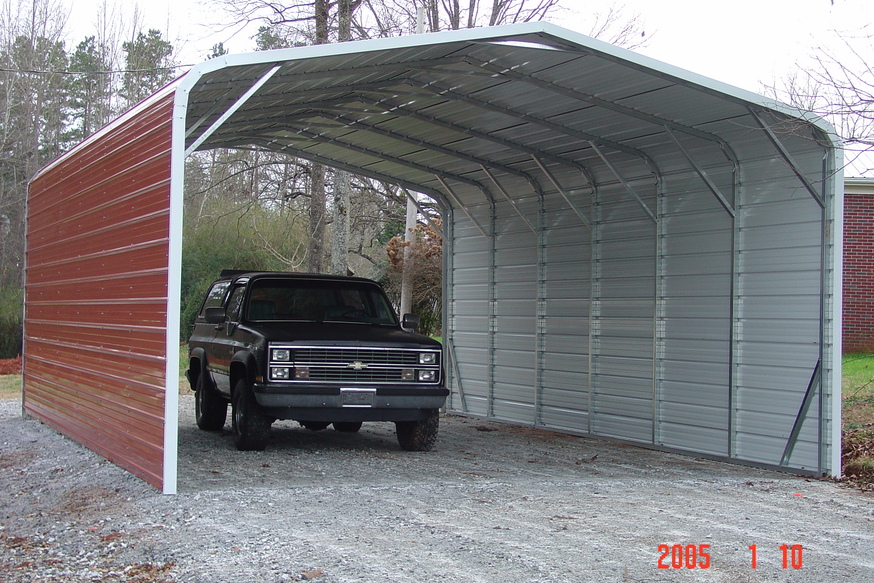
<point x="281" y="355"/>
<point x="427" y="376"/>
<point x="427" y="358"/>
<point x="280" y="373"/>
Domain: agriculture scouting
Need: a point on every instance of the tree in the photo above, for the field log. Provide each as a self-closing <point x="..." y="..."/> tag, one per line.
<point x="32" y="128"/>
<point x="148" y="65"/>
<point x="37" y="96"/>
<point x="840" y="87"/>
<point x="397" y="17"/>
<point x="217" y="50"/>
<point x="426" y="265"/>
<point x="32" y="132"/>
<point x="243" y="210"/>
<point x="294" y="24"/>
<point x="342" y="179"/>
<point x="90" y="89"/>
<point x="617" y="27"/>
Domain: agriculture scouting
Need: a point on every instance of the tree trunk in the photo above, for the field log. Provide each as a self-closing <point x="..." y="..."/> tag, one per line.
<point x="340" y="247"/>
<point x="342" y="179"/>
<point x="315" y="248"/>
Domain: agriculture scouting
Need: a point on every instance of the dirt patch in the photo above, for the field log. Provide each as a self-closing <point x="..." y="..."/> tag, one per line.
<point x="39" y="558"/>
<point x="857" y="440"/>
<point x="88" y="501"/>
<point x="858" y="457"/>
<point x="10" y="366"/>
<point x="14" y="459"/>
<point x="857" y="411"/>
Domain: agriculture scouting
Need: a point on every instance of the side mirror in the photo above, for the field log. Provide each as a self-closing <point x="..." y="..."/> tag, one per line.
<point x="214" y="315"/>
<point x="410" y="322"/>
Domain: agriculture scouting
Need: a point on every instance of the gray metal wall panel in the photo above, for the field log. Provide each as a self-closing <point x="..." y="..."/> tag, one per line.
<point x="469" y="317"/>
<point x="689" y="385"/>
<point x="779" y="278"/>
<point x="664" y="328"/>
<point x="471" y="291"/>
<point x="566" y="334"/>
<point x="564" y="400"/>
<point x="693" y="398"/>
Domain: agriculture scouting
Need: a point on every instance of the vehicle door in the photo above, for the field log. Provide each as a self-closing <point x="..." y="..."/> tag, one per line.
<point x="202" y="332"/>
<point x="225" y="342"/>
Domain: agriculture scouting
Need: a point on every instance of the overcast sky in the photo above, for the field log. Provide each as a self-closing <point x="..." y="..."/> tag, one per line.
<point x="747" y="42"/>
<point x="740" y="42"/>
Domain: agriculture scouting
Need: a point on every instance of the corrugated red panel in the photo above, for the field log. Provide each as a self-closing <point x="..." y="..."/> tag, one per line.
<point x="96" y="291"/>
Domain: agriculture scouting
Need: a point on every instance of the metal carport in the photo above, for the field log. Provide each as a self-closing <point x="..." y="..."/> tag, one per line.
<point x="632" y="251"/>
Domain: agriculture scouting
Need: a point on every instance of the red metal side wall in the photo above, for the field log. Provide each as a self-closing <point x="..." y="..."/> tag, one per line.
<point x="96" y="291"/>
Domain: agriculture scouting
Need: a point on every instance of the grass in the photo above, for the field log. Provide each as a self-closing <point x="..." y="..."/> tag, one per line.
<point x="10" y="386"/>
<point x="10" y="378"/>
<point x="857" y="388"/>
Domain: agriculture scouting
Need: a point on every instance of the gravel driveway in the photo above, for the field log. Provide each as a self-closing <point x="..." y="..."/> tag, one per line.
<point x="491" y="503"/>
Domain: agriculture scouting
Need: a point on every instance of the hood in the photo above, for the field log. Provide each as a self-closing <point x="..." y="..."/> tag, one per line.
<point x="341" y="334"/>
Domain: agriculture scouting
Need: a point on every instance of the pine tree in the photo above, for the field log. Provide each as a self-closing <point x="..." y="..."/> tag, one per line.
<point x="149" y="65"/>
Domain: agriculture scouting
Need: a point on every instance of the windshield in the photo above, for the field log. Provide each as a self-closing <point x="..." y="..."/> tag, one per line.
<point x="318" y="301"/>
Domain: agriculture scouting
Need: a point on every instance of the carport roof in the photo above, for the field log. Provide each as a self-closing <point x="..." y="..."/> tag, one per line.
<point x="446" y="113"/>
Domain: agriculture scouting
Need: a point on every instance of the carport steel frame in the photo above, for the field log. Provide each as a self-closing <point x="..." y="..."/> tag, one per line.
<point x="632" y="251"/>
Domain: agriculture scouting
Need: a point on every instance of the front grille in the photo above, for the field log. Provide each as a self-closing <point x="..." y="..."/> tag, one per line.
<point x="351" y="365"/>
<point x="344" y="356"/>
<point x="339" y="375"/>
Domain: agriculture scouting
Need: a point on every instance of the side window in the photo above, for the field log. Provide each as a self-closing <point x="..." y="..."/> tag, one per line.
<point x="216" y="296"/>
<point x="235" y="304"/>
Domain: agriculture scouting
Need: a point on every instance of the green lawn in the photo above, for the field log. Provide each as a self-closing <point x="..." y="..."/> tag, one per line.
<point x="10" y="386"/>
<point x="857" y="387"/>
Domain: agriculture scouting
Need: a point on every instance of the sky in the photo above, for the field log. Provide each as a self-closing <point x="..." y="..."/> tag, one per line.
<point x="740" y="42"/>
<point x="745" y="43"/>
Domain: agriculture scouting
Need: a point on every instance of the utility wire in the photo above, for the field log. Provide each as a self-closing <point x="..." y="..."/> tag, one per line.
<point x="42" y="72"/>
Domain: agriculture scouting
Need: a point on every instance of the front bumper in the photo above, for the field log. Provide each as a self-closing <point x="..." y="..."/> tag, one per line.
<point x="393" y="403"/>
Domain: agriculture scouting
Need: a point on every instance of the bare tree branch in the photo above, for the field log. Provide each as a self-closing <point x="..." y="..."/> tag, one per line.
<point x="840" y="87"/>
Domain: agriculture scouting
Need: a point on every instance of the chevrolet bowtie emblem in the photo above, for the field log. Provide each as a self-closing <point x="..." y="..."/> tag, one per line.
<point x="357" y="365"/>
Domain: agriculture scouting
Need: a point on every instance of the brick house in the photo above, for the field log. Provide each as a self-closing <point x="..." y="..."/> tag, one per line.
<point x="858" y="330"/>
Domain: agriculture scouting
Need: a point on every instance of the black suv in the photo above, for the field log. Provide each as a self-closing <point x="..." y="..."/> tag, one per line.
<point x="318" y="349"/>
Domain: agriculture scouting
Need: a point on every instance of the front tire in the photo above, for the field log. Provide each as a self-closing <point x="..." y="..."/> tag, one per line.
<point x="250" y="424"/>
<point x="418" y="435"/>
<point x="210" y="410"/>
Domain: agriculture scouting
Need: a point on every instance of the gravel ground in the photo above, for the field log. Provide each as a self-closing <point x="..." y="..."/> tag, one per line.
<point x="491" y="503"/>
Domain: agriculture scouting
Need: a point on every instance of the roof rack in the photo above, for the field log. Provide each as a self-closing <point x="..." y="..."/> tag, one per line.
<point x="233" y="272"/>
